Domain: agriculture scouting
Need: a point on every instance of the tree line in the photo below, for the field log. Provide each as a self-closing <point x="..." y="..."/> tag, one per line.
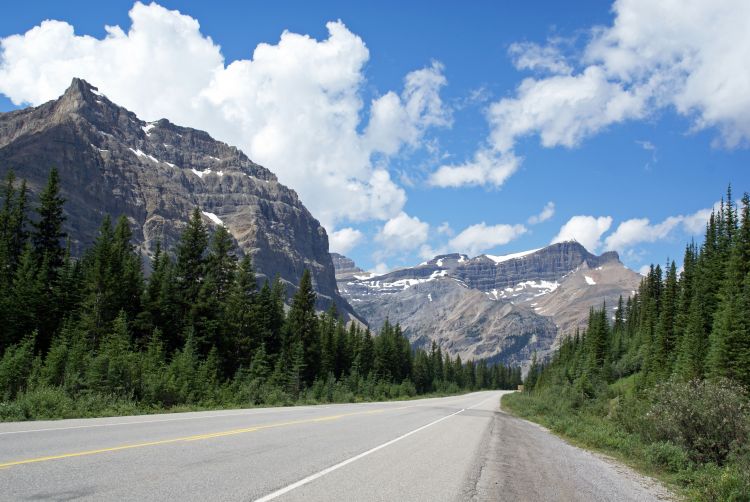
<point x="686" y="325"/>
<point x="663" y="378"/>
<point x="197" y="330"/>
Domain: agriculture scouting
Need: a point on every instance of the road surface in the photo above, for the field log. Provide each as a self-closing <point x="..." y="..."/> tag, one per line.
<point x="454" y="448"/>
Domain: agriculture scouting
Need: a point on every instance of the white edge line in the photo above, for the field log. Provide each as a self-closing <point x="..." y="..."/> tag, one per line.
<point x="255" y="411"/>
<point x="348" y="461"/>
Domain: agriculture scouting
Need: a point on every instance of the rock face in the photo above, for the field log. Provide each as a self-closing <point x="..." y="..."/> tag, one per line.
<point x="156" y="173"/>
<point x="495" y="307"/>
<point x="345" y="267"/>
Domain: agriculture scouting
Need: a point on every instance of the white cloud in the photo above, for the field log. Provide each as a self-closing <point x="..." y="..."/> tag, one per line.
<point x="644" y="270"/>
<point x="563" y="109"/>
<point x="547" y="212"/>
<point x="531" y="56"/>
<point x="587" y="230"/>
<point x="695" y="224"/>
<point x="445" y="229"/>
<point x="487" y="168"/>
<point x="639" y="230"/>
<point x="380" y="269"/>
<point x="344" y="240"/>
<point x="427" y="252"/>
<point x="688" y="56"/>
<point x="481" y="237"/>
<point x="295" y="106"/>
<point x="399" y="120"/>
<point x="402" y="233"/>
<point x="646" y="145"/>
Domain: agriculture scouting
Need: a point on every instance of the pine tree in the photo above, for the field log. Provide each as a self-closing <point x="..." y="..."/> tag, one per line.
<point x="206" y="311"/>
<point x="665" y="335"/>
<point x="302" y="326"/>
<point x="126" y="269"/>
<point x="243" y="331"/>
<point x="730" y="337"/>
<point x="221" y="263"/>
<point x="48" y="232"/>
<point x="191" y="261"/>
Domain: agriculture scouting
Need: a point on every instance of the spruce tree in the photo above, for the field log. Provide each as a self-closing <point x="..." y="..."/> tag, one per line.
<point x="665" y="335"/>
<point x="730" y="337"/>
<point x="302" y="326"/>
<point x="48" y="233"/>
<point x="243" y="330"/>
<point x="191" y="260"/>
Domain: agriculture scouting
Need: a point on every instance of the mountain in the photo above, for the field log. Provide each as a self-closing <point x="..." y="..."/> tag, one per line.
<point x="156" y="173"/>
<point x="497" y="307"/>
<point x="345" y="267"/>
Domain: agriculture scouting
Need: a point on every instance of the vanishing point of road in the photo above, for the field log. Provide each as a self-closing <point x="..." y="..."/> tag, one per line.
<point x="452" y="448"/>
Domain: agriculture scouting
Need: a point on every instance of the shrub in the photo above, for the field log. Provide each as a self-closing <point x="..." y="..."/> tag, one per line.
<point x="667" y="455"/>
<point x="709" y="419"/>
<point x="15" y="367"/>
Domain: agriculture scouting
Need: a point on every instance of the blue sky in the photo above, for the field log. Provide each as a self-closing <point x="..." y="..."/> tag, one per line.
<point x="599" y="110"/>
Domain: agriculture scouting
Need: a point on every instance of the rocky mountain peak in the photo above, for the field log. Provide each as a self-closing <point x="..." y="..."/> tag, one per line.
<point x="156" y="173"/>
<point x="498" y="307"/>
<point x="345" y="267"/>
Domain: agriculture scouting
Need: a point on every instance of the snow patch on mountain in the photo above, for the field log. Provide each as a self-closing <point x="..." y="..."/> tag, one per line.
<point x="213" y="217"/>
<point x="513" y="256"/>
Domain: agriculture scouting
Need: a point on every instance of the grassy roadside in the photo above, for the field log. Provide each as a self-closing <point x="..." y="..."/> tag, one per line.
<point x="50" y="403"/>
<point x="591" y="425"/>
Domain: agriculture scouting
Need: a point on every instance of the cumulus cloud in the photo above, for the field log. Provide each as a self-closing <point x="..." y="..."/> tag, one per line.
<point x="481" y="237"/>
<point x="587" y="230"/>
<point x="563" y="109"/>
<point x="344" y="240"/>
<point x="640" y="230"/>
<point x="547" y="212"/>
<point x="531" y="56"/>
<point x="402" y="233"/>
<point x="487" y="168"/>
<point x="294" y="106"/>
<point x="687" y="56"/>
<point x="401" y="120"/>
<point x="445" y="229"/>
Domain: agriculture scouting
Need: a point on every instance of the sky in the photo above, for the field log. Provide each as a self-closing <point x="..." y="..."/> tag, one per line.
<point x="411" y="129"/>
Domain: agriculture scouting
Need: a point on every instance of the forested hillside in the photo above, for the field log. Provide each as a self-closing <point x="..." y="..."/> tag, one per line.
<point x="664" y="382"/>
<point x="94" y="336"/>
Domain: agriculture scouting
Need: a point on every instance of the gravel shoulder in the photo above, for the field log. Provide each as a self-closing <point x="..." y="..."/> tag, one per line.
<point x="526" y="462"/>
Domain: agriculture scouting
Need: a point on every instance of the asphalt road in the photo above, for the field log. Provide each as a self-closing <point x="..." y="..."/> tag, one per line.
<point x="454" y="448"/>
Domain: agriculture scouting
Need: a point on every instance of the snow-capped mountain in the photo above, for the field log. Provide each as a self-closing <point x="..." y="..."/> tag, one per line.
<point x="499" y="307"/>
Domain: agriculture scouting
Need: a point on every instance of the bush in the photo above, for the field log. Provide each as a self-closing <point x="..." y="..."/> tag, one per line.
<point x="667" y="455"/>
<point x="15" y="367"/>
<point x="45" y="403"/>
<point x="709" y="419"/>
<point x="728" y="483"/>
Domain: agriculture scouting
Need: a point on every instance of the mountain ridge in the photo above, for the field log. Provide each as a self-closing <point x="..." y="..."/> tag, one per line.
<point x="155" y="173"/>
<point x="491" y="307"/>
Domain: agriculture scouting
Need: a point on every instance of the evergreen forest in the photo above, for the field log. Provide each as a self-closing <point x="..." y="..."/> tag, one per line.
<point x="94" y="336"/>
<point x="661" y="379"/>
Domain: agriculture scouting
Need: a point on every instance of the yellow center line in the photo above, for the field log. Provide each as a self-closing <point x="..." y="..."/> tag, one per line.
<point x="196" y="437"/>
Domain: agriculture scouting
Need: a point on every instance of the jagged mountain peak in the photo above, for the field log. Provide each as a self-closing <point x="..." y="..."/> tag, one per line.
<point x="156" y="174"/>
<point x="503" y="307"/>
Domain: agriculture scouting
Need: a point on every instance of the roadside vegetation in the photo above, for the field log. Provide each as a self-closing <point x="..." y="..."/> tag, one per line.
<point x="662" y="381"/>
<point x="93" y="336"/>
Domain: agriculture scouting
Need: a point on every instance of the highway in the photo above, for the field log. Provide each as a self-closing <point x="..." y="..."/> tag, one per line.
<point x="453" y="448"/>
